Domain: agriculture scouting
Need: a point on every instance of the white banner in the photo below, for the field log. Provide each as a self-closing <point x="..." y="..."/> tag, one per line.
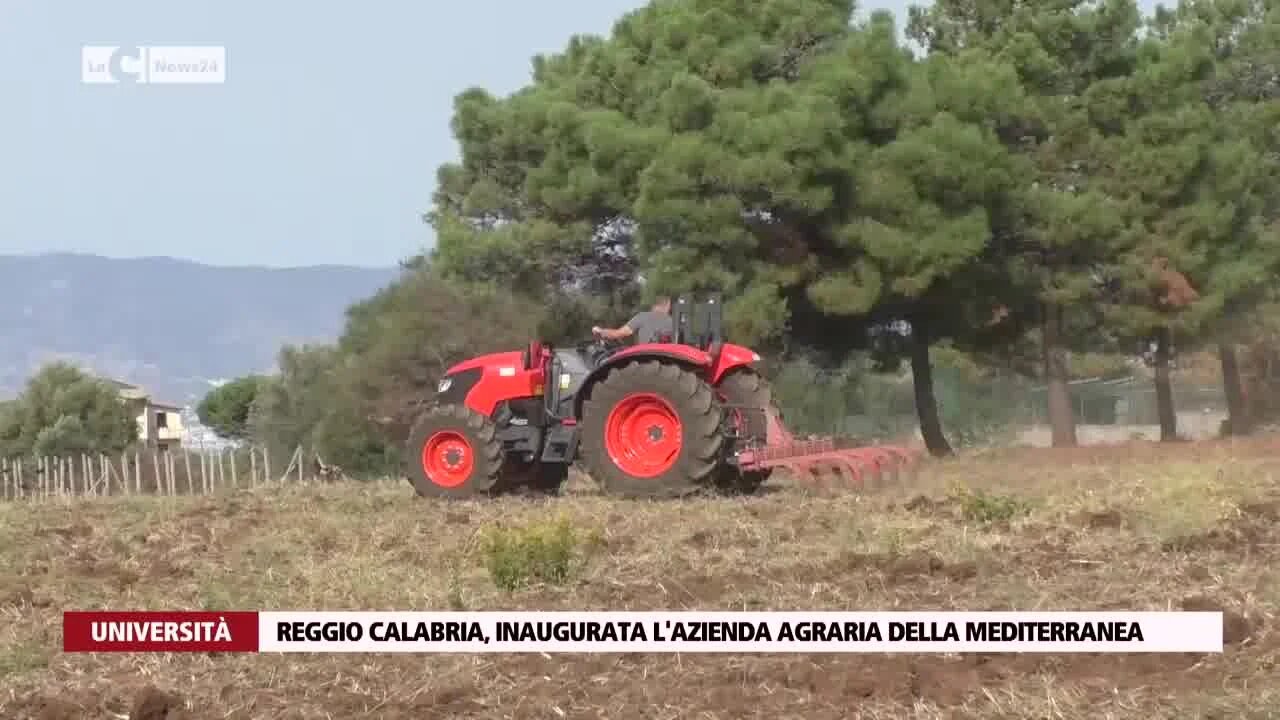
<point x="739" y="632"/>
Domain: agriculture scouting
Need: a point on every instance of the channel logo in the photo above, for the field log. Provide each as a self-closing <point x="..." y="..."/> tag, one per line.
<point x="153" y="65"/>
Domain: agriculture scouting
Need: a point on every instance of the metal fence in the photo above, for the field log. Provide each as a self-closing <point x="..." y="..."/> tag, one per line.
<point x="999" y="411"/>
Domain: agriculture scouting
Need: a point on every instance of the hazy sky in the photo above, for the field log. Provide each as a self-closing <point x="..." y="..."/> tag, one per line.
<point x="321" y="146"/>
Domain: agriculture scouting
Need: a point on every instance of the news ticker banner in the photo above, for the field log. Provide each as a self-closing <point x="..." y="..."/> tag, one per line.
<point x="650" y="632"/>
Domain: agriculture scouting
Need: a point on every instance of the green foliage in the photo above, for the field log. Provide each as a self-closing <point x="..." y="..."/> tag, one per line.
<point x="806" y="166"/>
<point x="988" y="508"/>
<point x="547" y="552"/>
<point x="64" y="411"/>
<point x="225" y="409"/>
<point x="353" y="402"/>
<point x="1198" y="169"/>
<point x="1067" y="60"/>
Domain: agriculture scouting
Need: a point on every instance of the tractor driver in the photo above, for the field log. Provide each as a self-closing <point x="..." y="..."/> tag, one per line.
<point x="648" y="326"/>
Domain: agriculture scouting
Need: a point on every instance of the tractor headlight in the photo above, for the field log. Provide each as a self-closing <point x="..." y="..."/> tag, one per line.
<point x="444" y="384"/>
<point x="755" y="357"/>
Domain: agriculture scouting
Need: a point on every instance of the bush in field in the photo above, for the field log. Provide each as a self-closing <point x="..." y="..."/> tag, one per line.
<point x="546" y="552"/>
<point x="64" y="411"/>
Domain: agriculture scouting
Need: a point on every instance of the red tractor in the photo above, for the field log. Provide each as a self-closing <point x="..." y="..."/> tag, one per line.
<point x="649" y="420"/>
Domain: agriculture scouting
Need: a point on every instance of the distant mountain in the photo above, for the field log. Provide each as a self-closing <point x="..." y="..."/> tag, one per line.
<point x="175" y="327"/>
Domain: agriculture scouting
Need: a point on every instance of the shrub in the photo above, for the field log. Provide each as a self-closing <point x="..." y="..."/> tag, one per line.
<point x="545" y="552"/>
<point x="987" y="508"/>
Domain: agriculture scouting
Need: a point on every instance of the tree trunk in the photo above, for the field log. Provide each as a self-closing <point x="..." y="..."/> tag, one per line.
<point x="1232" y="386"/>
<point x="922" y="384"/>
<point x="1062" y="419"/>
<point x="1164" y="388"/>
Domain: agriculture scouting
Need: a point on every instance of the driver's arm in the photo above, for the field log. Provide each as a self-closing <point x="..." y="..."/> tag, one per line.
<point x="614" y="333"/>
<point x="618" y="333"/>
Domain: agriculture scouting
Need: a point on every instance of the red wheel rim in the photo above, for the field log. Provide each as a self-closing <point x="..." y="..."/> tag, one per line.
<point x="447" y="459"/>
<point x="643" y="435"/>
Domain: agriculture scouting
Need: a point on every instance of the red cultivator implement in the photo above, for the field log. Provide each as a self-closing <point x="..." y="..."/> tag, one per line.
<point x="822" y="462"/>
<point x="651" y="420"/>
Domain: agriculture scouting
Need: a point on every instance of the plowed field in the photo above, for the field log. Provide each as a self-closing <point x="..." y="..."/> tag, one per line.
<point x="1138" y="527"/>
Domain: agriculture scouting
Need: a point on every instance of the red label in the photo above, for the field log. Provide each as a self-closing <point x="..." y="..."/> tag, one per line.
<point x="87" y="631"/>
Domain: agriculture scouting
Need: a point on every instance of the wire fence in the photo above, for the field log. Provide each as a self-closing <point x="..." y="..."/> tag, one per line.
<point x="156" y="471"/>
<point x="1001" y="412"/>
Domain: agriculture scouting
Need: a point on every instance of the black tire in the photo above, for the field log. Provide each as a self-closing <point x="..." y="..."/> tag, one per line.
<point x="698" y="454"/>
<point x="470" y="434"/>
<point x="748" y="390"/>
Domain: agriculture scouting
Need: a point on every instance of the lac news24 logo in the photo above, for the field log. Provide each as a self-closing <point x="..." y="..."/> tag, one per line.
<point x="153" y="64"/>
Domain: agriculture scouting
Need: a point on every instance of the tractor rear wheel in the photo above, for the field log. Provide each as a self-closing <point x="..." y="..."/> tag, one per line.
<point x="454" y="453"/>
<point x="748" y="399"/>
<point x="652" y="429"/>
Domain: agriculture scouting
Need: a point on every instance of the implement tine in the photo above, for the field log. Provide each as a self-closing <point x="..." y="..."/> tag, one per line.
<point x="851" y="471"/>
<point x="806" y="460"/>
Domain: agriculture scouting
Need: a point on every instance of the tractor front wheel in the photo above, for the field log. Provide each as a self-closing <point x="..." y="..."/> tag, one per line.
<point x="453" y="453"/>
<point x="652" y="429"/>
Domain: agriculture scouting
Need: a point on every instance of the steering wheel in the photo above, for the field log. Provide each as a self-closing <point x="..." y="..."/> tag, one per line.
<point x="598" y="348"/>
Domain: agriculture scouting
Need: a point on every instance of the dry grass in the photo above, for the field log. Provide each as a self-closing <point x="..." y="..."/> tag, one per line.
<point x="1136" y="528"/>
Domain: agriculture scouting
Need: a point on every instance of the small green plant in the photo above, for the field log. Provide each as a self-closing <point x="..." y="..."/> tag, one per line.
<point x="894" y="541"/>
<point x="987" y="508"/>
<point x="541" y="552"/>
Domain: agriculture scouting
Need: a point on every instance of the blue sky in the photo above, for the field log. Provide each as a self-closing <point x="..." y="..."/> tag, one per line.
<point x="321" y="147"/>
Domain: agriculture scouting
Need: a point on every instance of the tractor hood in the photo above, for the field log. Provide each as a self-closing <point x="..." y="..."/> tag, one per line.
<point x="495" y="362"/>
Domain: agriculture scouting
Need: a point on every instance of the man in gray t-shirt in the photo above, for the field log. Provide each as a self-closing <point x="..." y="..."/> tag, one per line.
<point x="648" y="326"/>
